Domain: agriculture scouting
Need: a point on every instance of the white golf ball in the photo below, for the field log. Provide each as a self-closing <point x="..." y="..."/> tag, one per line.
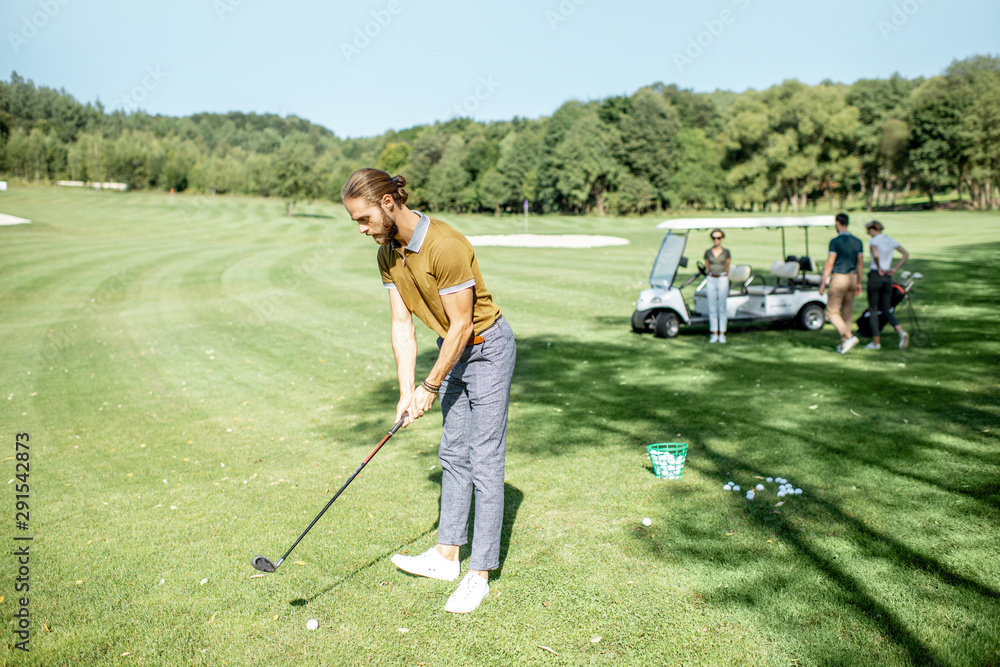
<point x="781" y="494"/>
<point x="760" y="487"/>
<point x="647" y="521"/>
<point x="312" y="624"/>
<point x="750" y="494"/>
<point x="798" y="492"/>
<point x="728" y="487"/>
<point x="736" y="488"/>
<point x="770" y="479"/>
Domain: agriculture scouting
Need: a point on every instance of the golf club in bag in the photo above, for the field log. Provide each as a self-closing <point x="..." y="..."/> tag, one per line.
<point x="264" y="564"/>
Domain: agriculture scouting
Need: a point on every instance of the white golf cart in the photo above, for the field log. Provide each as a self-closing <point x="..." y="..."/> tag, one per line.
<point x="790" y="293"/>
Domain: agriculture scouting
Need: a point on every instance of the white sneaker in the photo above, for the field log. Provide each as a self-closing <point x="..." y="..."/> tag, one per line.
<point x="904" y="340"/>
<point x="714" y="338"/>
<point x="839" y="348"/>
<point x="469" y="594"/>
<point x="873" y="346"/>
<point x="722" y="338"/>
<point x="428" y="564"/>
<point x="849" y="344"/>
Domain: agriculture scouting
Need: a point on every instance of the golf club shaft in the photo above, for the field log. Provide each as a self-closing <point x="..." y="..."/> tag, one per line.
<point x="391" y="433"/>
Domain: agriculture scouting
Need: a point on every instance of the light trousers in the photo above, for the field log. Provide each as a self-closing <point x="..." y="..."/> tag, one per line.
<point x="474" y="402"/>
<point x="718" y="290"/>
<point x="840" y="302"/>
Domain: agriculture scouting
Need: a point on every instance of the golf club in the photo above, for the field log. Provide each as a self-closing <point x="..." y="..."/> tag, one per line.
<point x="264" y="564"/>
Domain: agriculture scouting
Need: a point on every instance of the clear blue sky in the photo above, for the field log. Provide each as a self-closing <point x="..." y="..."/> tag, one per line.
<point x="425" y="61"/>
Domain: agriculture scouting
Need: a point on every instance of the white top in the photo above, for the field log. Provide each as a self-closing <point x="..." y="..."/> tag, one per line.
<point x="885" y="245"/>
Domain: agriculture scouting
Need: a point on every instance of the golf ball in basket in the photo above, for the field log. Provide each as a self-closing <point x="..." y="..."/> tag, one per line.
<point x="312" y="624"/>
<point x="647" y="522"/>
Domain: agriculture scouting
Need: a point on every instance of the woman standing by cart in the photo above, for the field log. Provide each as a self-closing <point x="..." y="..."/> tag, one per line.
<point x="717" y="261"/>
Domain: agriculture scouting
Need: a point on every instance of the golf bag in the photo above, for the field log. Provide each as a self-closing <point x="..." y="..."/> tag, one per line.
<point x="864" y="322"/>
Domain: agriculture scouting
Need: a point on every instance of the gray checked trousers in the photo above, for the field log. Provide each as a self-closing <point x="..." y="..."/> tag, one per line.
<point x="474" y="401"/>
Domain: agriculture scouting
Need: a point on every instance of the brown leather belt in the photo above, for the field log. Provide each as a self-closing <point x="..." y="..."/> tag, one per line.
<point x="718" y="275"/>
<point x="476" y="340"/>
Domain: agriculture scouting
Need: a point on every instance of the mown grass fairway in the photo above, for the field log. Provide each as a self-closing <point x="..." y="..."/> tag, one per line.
<point x="199" y="375"/>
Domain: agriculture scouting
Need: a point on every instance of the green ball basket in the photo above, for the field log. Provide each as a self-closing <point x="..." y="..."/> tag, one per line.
<point x="668" y="459"/>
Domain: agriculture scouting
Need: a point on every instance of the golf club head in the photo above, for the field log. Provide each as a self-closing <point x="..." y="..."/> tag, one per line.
<point x="264" y="564"/>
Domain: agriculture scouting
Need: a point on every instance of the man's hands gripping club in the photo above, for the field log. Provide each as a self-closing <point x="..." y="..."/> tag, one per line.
<point x="417" y="398"/>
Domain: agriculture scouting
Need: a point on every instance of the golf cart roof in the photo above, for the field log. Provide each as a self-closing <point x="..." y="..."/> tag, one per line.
<point x="747" y="223"/>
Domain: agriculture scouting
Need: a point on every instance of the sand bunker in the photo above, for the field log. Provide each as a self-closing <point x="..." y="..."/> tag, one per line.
<point x="11" y="220"/>
<point x="546" y="241"/>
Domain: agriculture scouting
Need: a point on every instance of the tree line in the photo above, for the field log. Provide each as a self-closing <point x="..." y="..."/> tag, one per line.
<point x="784" y="148"/>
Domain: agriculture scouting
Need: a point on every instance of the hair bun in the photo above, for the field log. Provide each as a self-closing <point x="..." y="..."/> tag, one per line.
<point x="399" y="181"/>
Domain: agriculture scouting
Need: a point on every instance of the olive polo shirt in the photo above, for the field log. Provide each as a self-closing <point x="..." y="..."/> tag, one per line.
<point x="847" y="247"/>
<point x="438" y="260"/>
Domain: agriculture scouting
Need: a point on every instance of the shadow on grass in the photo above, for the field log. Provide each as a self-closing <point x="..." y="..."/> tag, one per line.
<point x="513" y="497"/>
<point x="901" y="418"/>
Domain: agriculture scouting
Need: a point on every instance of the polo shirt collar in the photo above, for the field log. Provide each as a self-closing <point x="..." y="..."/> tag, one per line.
<point x="417" y="240"/>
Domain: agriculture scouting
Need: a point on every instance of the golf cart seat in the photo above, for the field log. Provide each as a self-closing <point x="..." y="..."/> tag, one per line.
<point x="809" y="277"/>
<point x="788" y="269"/>
<point x="739" y="276"/>
<point x="782" y="271"/>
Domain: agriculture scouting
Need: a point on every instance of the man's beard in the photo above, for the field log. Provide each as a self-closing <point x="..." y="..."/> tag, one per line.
<point x="391" y="229"/>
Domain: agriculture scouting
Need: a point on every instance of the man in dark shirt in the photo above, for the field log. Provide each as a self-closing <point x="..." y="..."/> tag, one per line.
<point x="843" y="268"/>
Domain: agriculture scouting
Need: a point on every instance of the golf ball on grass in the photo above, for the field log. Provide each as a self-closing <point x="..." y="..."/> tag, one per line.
<point x="312" y="624"/>
<point x="750" y="494"/>
<point x="647" y="521"/>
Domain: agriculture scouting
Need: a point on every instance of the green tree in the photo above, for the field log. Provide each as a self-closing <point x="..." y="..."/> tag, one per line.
<point x="479" y="155"/>
<point x="448" y="178"/>
<point x="882" y="133"/>
<point x="934" y="150"/>
<point x="803" y="133"/>
<point x="699" y="181"/>
<point x="647" y="146"/>
<point x="294" y="178"/>
<point x="493" y="191"/>
<point x="975" y="83"/>
<point x="394" y="157"/>
<point x="585" y="166"/>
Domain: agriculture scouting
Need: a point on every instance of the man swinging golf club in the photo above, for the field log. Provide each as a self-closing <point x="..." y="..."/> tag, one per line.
<point x="431" y="271"/>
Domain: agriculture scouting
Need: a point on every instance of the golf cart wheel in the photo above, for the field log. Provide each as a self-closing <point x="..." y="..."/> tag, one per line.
<point x="811" y="317"/>
<point x="639" y="323"/>
<point x="667" y="324"/>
